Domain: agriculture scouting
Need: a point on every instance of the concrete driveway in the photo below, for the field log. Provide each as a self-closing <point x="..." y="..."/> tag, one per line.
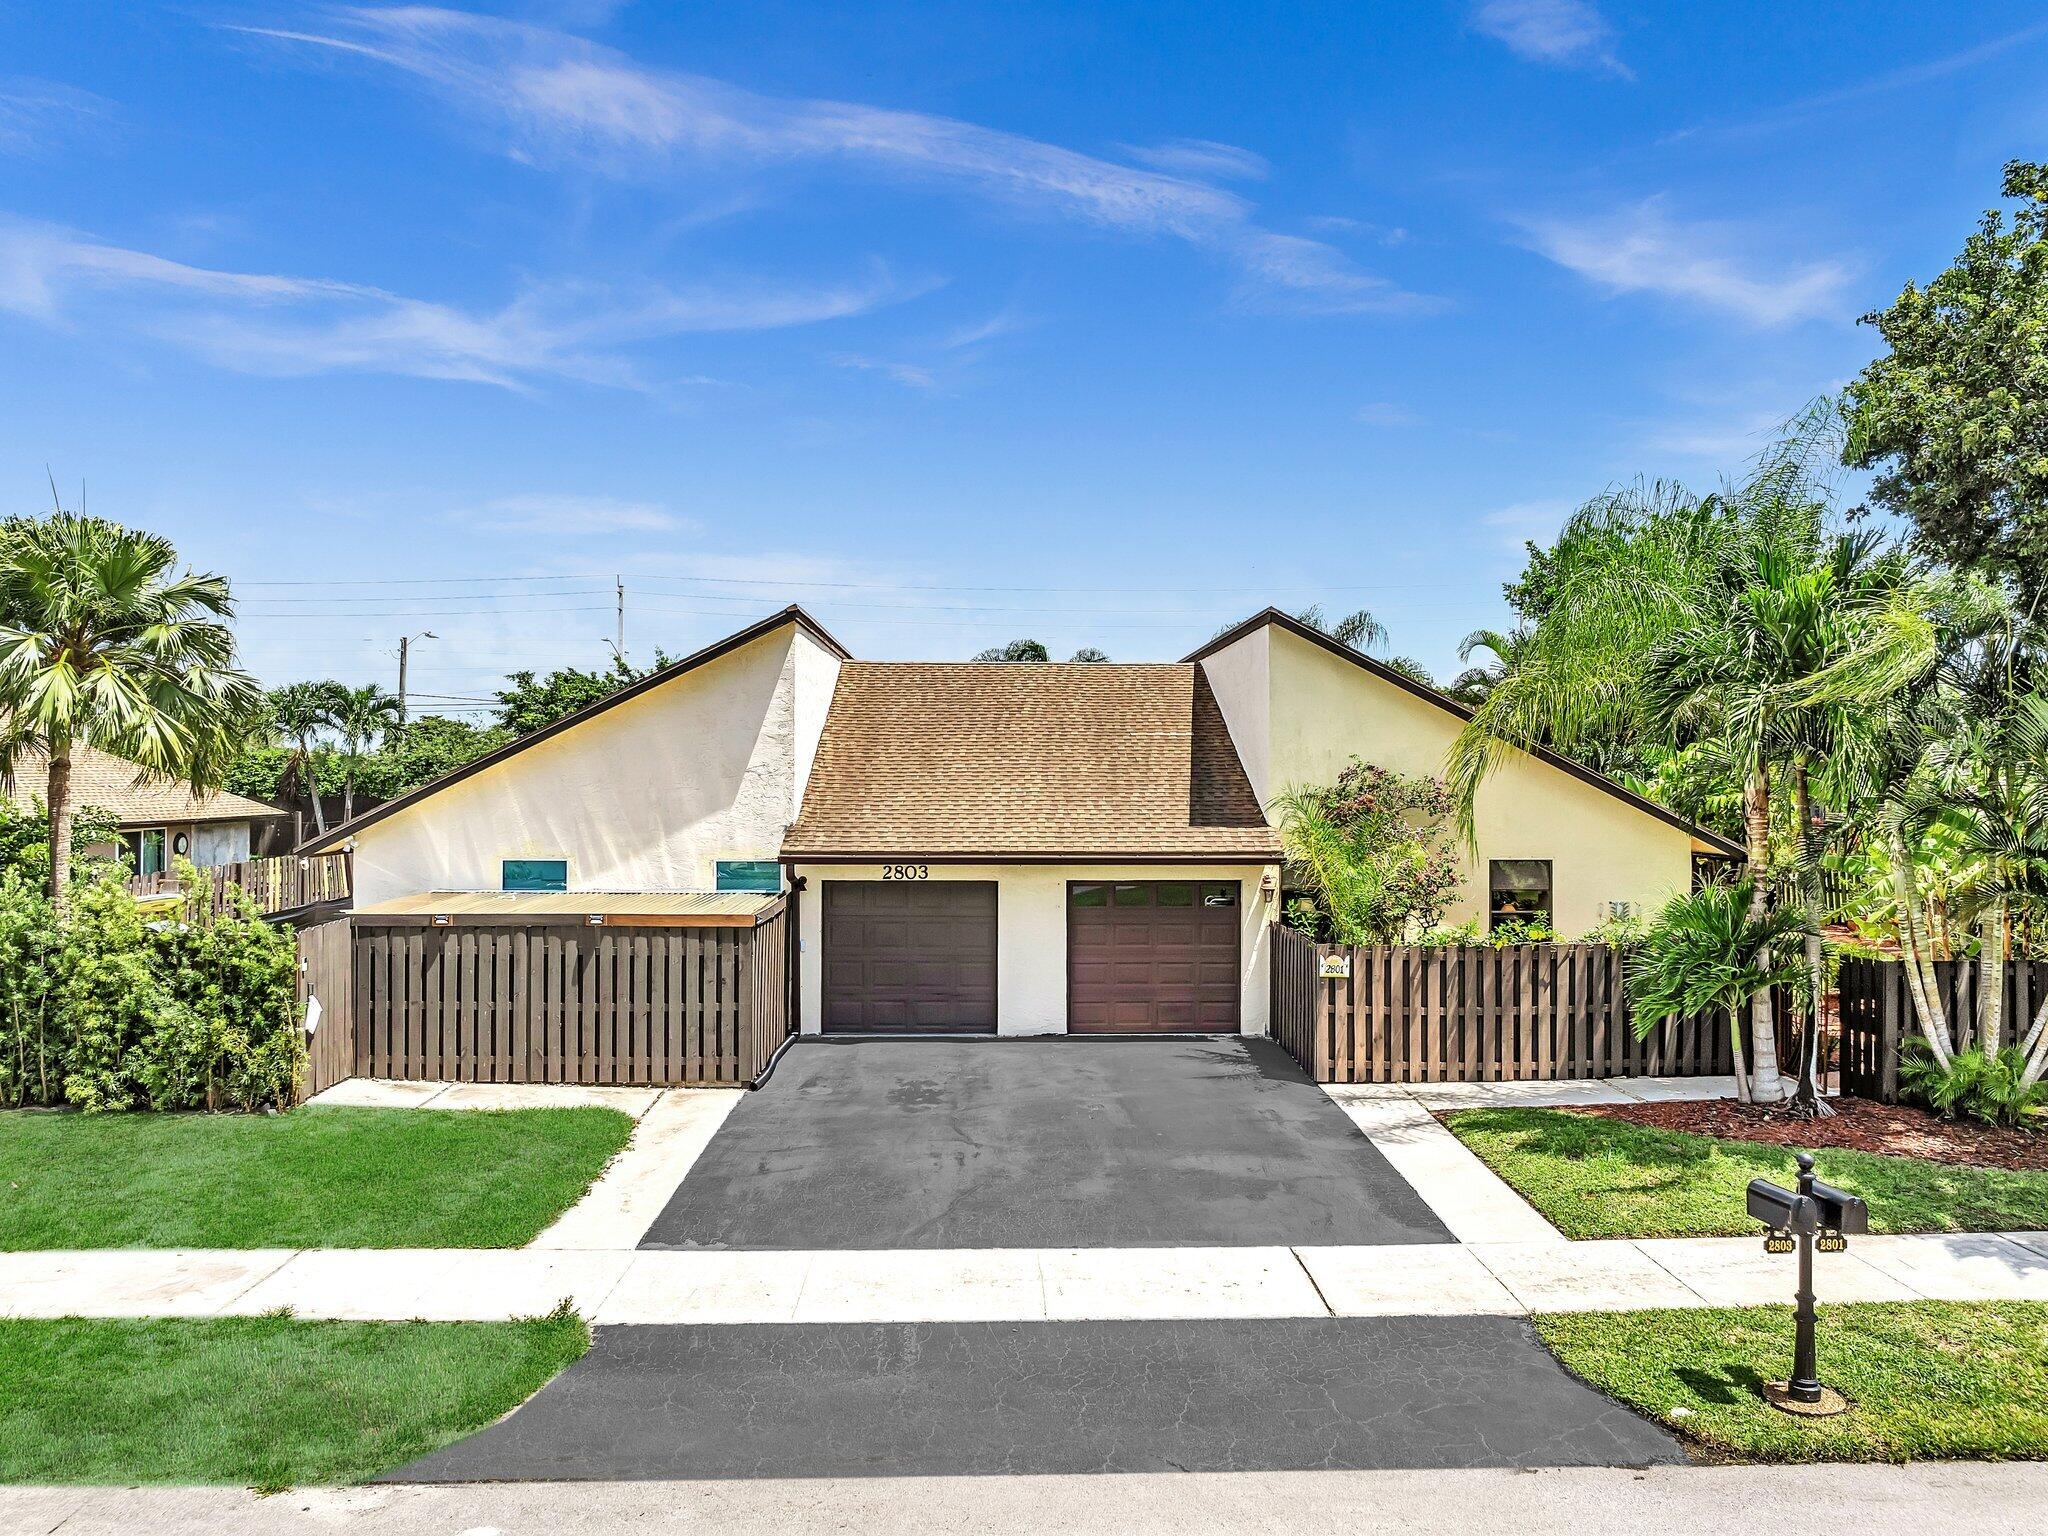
<point x="1042" y="1143"/>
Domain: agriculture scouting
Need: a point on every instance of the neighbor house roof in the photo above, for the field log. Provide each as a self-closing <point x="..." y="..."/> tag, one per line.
<point x="126" y="792"/>
<point x="1713" y="840"/>
<point x="790" y="615"/>
<point x="1003" y="760"/>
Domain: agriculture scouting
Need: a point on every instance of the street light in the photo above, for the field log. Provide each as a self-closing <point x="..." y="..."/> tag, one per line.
<point x="405" y="647"/>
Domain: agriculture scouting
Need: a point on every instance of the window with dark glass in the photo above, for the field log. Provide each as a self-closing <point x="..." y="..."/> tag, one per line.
<point x="1134" y="895"/>
<point x="1518" y="891"/>
<point x="535" y="875"/>
<point x="1089" y="896"/>
<point x="1175" y="893"/>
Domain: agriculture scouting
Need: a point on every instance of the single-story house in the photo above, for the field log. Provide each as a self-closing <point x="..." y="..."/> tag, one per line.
<point x="159" y="819"/>
<point x="1013" y="848"/>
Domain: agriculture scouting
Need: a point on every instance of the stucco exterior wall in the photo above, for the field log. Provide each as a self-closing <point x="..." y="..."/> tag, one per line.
<point x="647" y="795"/>
<point x="1031" y="933"/>
<point x="1240" y="677"/>
<point x="1323" y="711"/>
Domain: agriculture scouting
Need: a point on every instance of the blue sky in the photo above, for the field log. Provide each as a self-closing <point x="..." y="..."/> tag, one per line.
<point x="1102" y="323"/>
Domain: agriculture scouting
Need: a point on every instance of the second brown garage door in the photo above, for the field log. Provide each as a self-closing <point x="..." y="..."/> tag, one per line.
<point x="910" y="956"/>
<point x="1152" y="955"/>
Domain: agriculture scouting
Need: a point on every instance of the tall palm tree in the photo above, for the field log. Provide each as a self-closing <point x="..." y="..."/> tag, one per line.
<point x="1733" y="617"/>
<point x="104" y="643"/>
<point x="300" y="712"/>
<point x="1472" y="685"/>
<point x="360" y="716"/>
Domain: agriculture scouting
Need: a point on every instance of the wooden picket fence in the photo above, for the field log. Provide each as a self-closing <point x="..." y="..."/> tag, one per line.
<point x="548" y="1001"/>
<point x="1877" y="1014"/>
<point x="284" y="884"/>
<point x="1406" y="1014"/>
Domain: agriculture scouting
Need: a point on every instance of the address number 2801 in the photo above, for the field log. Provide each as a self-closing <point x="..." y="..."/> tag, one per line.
<point x="905" y="872"/>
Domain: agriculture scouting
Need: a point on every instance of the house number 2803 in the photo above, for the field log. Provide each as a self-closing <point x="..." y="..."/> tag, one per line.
<point x="905" y="872"/>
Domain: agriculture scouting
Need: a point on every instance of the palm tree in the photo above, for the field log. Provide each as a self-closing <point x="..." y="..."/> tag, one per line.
<point x="1710" y="951"/>
<point x="360" y="716"/>
<point x="301" y="711"/>
<point x="1734" y="618"/>
<point x="1472" y="685"/>
<point x="104" y="644"/>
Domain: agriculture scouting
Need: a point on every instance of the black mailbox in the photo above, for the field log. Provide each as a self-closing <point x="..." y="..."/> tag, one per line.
<point x="1839" y="1211"/>
<point x="1780" y="1209"/>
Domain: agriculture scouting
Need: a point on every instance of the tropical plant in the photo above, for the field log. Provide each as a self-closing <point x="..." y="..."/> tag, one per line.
<point x="1710" y="951"/>
<point x="530" y="701"/>
<point x="103" y="643"/>
<point x="360" y="717"/>
<point x="299" y="712"/>
<point x="1472" y="685"/>
<point x="1991" y="1086"/>
<point x="1373" y="851"/>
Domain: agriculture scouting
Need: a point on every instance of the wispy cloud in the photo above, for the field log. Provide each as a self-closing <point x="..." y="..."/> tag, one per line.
<point x="1642" y="249"/>
<point x="1571" y="33"/>
<point x="1204" y="158"/>
<point x="581" y="516"/>
<point x="268" y="323"/>
<point x="1524" y="522"/>
<point x="909" y="375"/>
<point x="1873" y="88"/>
<point x="565" y="101"/>
<point x="35" y="114"/>
<point x="1385" y="413"/>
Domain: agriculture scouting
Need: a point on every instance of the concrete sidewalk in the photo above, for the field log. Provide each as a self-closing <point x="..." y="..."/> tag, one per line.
<point x="1010" y="1284"/>
<point x="1987" y="1500"/>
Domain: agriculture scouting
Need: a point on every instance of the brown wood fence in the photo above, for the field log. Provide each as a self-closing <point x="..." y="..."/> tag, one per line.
<point x="326" y="975"/>
<point x="1877" y="1014"/>
<point x="1473" y="1014"/>
<point x="274" y="885"/>
<point x="558" y="1001"/>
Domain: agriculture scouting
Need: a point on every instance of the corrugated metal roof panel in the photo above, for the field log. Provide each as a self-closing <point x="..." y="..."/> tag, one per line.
<point x="682" y="905"/>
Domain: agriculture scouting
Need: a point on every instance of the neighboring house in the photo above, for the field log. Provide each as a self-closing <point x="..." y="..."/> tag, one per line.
<point x="160" y="819"/>
<point x="1011" y="847"/>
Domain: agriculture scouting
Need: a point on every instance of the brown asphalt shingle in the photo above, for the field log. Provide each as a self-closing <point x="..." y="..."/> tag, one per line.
<point x="928" y="759"/>
<point x="118" y="787"/>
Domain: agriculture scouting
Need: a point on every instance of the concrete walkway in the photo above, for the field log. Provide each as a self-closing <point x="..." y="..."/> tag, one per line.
<point x="1009" y="1284"/>
<point x="1985" y="1499"/>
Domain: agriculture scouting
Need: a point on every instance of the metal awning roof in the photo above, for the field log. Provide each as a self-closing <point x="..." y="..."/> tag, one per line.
<point x="708" y="909"/>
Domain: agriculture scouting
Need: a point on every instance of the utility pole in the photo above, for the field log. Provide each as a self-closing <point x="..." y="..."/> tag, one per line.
<point x="404" y="650"/>
<point x="620" y="644"/>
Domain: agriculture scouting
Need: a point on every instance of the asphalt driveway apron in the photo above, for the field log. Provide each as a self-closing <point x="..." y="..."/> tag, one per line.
<point x="954" y="1399"/>
<point x="1047" y="1143"/>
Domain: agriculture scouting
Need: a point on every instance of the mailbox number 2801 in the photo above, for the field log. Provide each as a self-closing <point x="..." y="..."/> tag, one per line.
<point x="905" y="872"/>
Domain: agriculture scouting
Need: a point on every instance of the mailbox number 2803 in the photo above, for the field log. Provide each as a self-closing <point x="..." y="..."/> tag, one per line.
<point x="905" y="872"/>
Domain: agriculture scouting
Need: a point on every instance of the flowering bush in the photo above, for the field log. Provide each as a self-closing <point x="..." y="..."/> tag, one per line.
<point x="1372" y="853"/>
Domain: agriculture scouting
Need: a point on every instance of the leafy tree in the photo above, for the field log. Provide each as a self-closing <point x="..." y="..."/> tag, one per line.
<point x="104" y="644"/>
<point x="1089" y="653"/>
<point x="1954" y="416"/>
<point x="532" y="702"/>
<point x="25" y="839"/>
<point x="1374" y="851"/>
<point x="360" y="716"/>
<point x="424" y="748"/>
<point x="1358" y="629"/>
<point x="1016" y="650"/>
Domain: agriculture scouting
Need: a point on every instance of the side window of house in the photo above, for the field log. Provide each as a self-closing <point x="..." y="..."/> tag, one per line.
<point x="749" y="875"/>
<point x="535" y="875"/>
<point x="1519" y="891"/>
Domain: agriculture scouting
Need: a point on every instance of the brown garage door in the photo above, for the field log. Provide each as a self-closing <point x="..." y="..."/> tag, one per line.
<point x="1152" y="955"/>
<point x="910" y="956"/>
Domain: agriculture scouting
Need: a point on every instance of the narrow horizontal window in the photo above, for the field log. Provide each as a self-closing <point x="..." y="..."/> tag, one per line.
<point x="534" y="875"/>
<point x="749" y="875"/>
<point x="1088" y="896"/>
<point x="1219" y="895"/>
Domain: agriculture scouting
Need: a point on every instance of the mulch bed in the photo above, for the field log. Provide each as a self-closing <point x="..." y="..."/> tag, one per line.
<point x="1895" y="1130"/>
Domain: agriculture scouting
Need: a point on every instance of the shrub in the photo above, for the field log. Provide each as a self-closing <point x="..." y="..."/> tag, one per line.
<point x="113" y="1010"/>
<point x="1984" y="1087"/>
<point x="1373" y="852"/>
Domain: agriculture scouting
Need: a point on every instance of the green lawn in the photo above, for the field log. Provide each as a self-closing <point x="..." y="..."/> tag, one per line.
<point x="269" y="1402"/>
<point x="1925" y="1379"/>
<point x="1596" y="1177"/>
<point x="313" y="1178"/>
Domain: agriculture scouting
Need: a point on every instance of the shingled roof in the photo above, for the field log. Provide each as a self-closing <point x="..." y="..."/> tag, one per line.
<point x="963" y="760"/>
<point x="120" y="788"/>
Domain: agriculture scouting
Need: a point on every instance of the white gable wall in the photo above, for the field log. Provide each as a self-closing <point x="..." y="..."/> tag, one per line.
<point x="1321" y="710"/>
<point x="647" y="795"/>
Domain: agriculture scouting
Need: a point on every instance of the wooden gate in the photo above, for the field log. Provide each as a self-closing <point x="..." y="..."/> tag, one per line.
<point x="1878" y="1018"/>
<point x="326" y="976"/>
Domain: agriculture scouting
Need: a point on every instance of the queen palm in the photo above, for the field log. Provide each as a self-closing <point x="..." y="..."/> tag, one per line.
<point x="1733" y="618"/>
<point x="360" y="716"/>
<point x="104" y="643"/>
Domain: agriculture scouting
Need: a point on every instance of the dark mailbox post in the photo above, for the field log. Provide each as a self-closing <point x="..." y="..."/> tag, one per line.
<point x="1814" y="1214"/>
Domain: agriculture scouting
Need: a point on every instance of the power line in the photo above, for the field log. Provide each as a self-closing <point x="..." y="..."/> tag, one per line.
<point x="784" y="583"/>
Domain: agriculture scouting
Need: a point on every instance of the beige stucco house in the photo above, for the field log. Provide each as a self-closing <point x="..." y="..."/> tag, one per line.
<point x="1009" y="848"/>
